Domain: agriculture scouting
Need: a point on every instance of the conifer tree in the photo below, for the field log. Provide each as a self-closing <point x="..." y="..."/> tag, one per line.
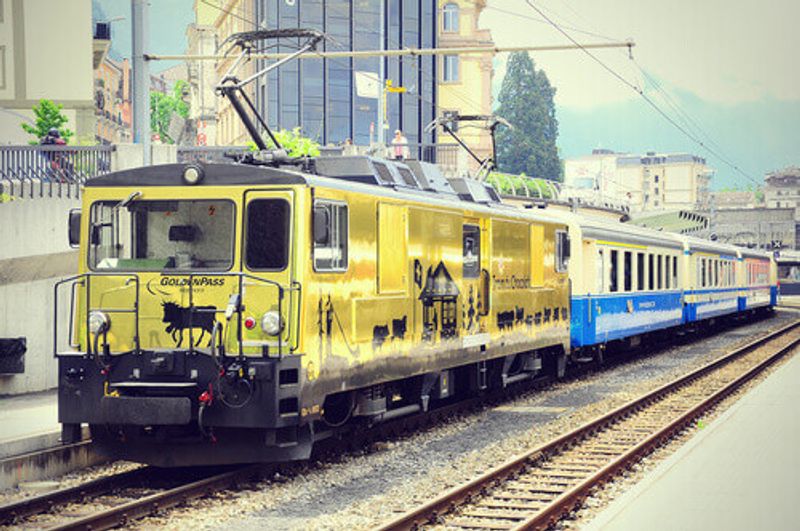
<point x="526" y="101"/>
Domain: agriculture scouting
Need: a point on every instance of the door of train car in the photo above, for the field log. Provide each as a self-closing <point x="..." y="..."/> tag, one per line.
<point x="268" y="324"/>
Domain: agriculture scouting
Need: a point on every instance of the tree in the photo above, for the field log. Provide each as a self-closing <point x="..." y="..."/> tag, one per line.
<point x="293" y="141"/>
<point x="163" y="106"/>
<point x="48" y="116"/>
<point x="526" y="101"/>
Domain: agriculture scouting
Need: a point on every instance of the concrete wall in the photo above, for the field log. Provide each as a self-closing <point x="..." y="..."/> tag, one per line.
<point x="34" y="255"/>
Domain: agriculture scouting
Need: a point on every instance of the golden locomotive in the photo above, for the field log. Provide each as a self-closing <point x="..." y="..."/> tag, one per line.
<point x="234" y="313"/>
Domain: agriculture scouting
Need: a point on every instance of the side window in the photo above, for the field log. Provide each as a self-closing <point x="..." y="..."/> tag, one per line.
<point x="674" y="272"/>
<point x="628" y="273"/>
<point x="667" y="273"/>
<point x="267" y="245"/>
<point x="702" y="272"/>
<point x="562" y="251"/>
<point x="660" y="271"/>
<point x="640" y="271"/>
<point x="330" y="228"/>
<point x="614" y="271"/>
<point x="472" y="251"/>
<point x="601" y="271"/>
<point x="651" y="272"/>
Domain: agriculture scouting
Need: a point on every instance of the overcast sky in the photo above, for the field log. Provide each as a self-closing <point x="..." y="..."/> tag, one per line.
<point x="722" y="51"/>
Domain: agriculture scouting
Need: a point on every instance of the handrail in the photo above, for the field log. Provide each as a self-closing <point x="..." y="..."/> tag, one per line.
<point x="86" y="278"/>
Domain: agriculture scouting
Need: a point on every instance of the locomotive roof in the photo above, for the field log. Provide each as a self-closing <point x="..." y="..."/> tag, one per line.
<point x="232" y="174"/>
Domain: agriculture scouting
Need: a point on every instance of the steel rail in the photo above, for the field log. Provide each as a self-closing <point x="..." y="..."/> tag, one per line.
<point x="449" y="501"/>
<point x="11" y="512"/>
<point x="152" y="504"/>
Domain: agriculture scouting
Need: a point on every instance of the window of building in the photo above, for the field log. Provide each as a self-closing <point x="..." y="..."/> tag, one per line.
<point x="613" y="272"/>
<point x="450" y="68"/>
<point x="330" y="236"/>
<point x="640" y="271"/>
<point x="450" y="18"/>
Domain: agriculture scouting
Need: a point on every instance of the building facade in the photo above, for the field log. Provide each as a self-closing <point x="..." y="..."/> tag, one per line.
<point x="654" y="181"/>
<point x="333" y="100"/>
<point x="30" y="70"/>
<point x="232" y="16"/>
<point x="112" y="100"/>
<point x="782" y="188"/>
<point x="465" y="81"/>
<point x="201" y="39"/>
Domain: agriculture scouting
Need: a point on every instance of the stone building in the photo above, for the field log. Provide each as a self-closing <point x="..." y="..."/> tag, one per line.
<point x="112" y="101"/>
<point x="644" y="183"/>
<point x="31" y="71"/>
<point x="782" y="188"/>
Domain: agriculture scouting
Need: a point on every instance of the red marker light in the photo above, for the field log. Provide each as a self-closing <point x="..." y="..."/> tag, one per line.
<point x="249" y="323"/>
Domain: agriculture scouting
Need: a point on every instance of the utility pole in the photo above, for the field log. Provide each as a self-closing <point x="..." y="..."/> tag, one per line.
<point x="382" y="77"/>
<point x="141" y="77"/>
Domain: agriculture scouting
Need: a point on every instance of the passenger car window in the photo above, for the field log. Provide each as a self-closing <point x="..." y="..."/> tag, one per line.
<point x="613" y="270"/>
<point x="330" y="236"/>
<point x="267" y="246"/>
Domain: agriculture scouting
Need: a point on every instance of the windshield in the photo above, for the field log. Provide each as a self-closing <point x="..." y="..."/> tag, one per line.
<point x="181" y="235"/>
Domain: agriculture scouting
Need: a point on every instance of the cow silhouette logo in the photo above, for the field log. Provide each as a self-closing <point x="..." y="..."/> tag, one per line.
<point x="180" y="318"/>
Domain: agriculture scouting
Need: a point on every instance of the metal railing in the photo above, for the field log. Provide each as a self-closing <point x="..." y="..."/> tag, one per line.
<point x="50" y="170"/>
<point x="290" y="328"/>
<point x="208" y="153"/>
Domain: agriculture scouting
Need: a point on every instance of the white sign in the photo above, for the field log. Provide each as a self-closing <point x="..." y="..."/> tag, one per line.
<point x="367" y="85"/>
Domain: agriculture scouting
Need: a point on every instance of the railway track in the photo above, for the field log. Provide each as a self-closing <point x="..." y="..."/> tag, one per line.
<point x="115" y="500"/>
<point x="536" y="489"/>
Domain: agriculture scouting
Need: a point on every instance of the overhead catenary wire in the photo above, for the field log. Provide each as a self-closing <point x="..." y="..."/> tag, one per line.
<point x="644" y="96"/>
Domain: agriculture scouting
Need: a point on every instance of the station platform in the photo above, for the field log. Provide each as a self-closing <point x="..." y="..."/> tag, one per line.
<point x="738" y="473"/>
<point x="28" y="422"/>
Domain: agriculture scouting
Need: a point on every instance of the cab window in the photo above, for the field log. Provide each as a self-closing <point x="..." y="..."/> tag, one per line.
<point x="330" y="234"/>
<point x="267" y="243"/>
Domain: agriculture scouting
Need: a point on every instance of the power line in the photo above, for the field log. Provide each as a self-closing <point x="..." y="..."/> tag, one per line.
<point x="643" y="95"/>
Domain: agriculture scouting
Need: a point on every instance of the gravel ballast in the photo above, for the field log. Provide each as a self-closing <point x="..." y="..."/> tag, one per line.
<point x="362" y="490"/>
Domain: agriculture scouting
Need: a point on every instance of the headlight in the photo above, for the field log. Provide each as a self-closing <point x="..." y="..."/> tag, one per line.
<point x="271" y="323"/>
<point x="193" y="174"/>
<point x="99" y="322"/>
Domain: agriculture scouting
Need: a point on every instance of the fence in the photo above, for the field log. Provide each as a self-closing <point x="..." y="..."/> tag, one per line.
<point x="209" y="153"/>
<point x="50" y="170"/>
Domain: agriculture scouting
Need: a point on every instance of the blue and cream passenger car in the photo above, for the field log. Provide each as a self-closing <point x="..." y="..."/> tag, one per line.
<point x="759" y="280"/>
<point x="628" y="282"/>
<point x="711" y="288"/>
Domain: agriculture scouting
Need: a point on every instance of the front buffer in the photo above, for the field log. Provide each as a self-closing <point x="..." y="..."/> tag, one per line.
<point x="180" y="408"/>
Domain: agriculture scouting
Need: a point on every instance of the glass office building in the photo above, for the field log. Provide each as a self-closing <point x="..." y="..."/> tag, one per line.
<point x="326" y="97"/>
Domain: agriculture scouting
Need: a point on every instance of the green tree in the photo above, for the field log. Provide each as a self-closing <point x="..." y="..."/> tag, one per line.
<point x="48" y="116"/>
<point x="526" y="101"/>
<point x="293" y="141"/>
<point x="163" y="106"/>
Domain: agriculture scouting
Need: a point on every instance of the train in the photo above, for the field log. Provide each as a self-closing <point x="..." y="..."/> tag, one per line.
<point x="236" y="312"/>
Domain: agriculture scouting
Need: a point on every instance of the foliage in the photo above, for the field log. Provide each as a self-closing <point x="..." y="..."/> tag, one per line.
<point x="522" y="185"/>
<point x="526" y="101"/>
<point x="293" y="141"/>
<point x="163" y="106"/>
<point x="5" y="198"/>
<point x="48" y="115"/>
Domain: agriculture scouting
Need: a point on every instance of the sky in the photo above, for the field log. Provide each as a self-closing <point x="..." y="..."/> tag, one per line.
<point x="728" y="66"/>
